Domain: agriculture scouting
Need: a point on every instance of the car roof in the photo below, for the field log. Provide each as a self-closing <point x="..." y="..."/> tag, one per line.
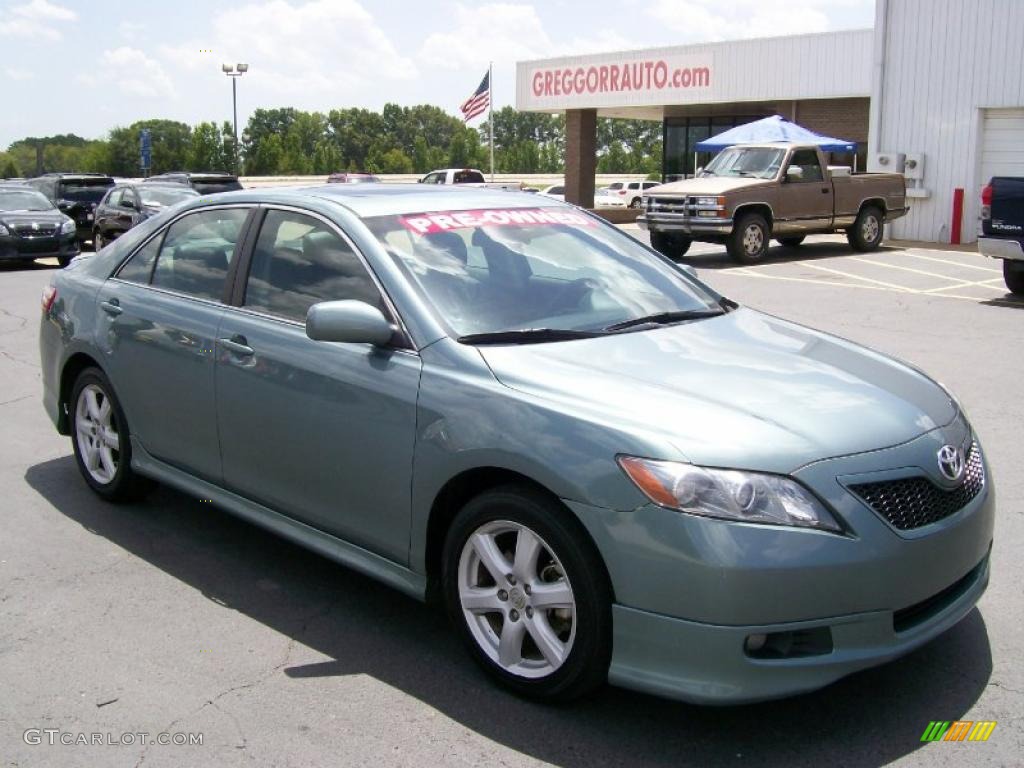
<point x="75" y="175"/>
<point x="157" y="184"/>
<point x="389" y="199"/>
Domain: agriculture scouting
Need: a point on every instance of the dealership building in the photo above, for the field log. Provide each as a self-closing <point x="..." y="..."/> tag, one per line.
<point x="934" y="91"/>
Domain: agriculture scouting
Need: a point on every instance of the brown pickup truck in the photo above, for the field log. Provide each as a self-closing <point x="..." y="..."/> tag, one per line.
<point x="750" y="193"/>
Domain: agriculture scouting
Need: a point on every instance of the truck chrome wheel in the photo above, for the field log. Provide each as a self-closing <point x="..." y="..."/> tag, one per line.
<point x="869" y="228"/>
<point x="96" y="433"/>
<point x="753" y="239"/>
<point x="516" y="599"/>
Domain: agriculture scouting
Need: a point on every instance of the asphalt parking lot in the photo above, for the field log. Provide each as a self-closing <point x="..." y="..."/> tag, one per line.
<point x="170" y="616"/>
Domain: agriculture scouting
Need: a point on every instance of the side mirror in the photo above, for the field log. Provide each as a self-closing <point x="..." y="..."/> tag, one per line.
<point x="794" y="173"/>
<point x="354" y="322"/>
<point x="126" y="203"/>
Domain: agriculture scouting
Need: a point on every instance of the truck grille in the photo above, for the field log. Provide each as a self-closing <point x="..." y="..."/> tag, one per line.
<point x="679" y="205"/>
<point x="912" y="502"/>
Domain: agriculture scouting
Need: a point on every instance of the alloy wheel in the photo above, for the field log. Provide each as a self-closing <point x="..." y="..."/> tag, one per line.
<point x="869" y="229"/>
<point x="753" y="239"/>
<point x="516" y="599"/>
<point x="97" y="434"/>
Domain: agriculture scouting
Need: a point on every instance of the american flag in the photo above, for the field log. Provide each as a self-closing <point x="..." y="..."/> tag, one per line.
<point x="479" y="101"/>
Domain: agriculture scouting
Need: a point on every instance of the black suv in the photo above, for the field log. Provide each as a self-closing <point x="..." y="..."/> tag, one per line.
<point x="204" y="183"/>
<point x="76" y="195"/>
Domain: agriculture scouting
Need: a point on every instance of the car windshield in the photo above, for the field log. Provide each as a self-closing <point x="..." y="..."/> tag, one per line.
<point x="756" y="162"/>
<point x="83" y="191"/>
<point x="23" y="200"/>
<point x="155" y="197"/>
<point x="211" y="186"/>
<point x="495" y="270"/>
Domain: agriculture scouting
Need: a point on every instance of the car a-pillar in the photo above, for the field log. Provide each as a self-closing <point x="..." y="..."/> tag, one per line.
<point x="580" y="156"/>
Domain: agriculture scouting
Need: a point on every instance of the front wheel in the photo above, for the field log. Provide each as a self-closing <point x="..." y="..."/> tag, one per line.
<point x="748" y="242"/>
<point x="101" y="440"/>
<point x="671" y="245"/>
<point x="528" y="594"/>
<point x="1013" y="275"/>
<point x="866" y="232"/>
<point x="635" y="202"/>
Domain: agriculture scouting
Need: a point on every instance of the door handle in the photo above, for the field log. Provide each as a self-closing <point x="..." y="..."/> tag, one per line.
<point x="111" y="307"/>
<point x="237" y="345"/>
<point x="824" y="190"/>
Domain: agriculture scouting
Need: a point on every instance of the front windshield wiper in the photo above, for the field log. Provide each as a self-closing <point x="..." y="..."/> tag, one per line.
<point x="665" y="318"/>
<point x="527" y="336"/>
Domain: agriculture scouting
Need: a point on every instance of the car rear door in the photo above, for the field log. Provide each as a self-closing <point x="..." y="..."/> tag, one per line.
<point x="322" y="432"/>
<point x="157" y="325"/>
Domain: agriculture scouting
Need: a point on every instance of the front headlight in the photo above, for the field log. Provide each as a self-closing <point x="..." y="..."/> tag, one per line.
<point x="67" y="227"/>
<point x="714" y="202"/>
<point x="748" y="497"/>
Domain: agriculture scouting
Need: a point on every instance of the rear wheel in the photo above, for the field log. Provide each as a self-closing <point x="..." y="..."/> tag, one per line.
<point x="866" y="232"/>
<point x="791" y="242"/>
<point x="97" y="240"/>
<point x="64" y="260"/>
<point x="1013" y="275"/>
<point x="748" y="242"/>
<point x="101" y="439"/>
<point x="528" y="594"/>
<point x="672" y="245"/>
<point x="635" y="202"/>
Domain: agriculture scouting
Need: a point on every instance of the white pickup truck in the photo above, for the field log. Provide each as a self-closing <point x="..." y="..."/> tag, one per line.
<point x="468" y="177"/>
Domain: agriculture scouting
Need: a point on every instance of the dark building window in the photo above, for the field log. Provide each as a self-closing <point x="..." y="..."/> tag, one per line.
<point x="682" y="134"/>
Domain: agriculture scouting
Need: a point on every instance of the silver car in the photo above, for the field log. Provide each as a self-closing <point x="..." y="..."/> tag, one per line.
<point x="606" y="470"/>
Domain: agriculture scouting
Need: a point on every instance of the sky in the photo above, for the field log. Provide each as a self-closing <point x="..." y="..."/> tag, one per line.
<point x="84" y="68"/>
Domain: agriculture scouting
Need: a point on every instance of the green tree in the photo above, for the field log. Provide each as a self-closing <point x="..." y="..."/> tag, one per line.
<point x="266" y="157"/>
<point x="10" y="170"/>
<point x="206" y="150"/>
<point x="392" y="160"/>
<point x="171" y="144"/>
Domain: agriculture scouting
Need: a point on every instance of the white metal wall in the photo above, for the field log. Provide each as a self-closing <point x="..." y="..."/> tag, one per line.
<point x="945" y="62"/>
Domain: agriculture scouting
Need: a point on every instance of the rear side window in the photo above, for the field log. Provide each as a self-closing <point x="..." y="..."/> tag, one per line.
<point x="299" y="261"/>
<point x="197" y="251"/>
<point x="140" y="266"/>
<point x="468" y="177"/>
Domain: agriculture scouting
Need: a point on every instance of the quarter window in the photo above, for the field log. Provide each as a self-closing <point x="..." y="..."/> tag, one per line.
<point x="197" y="252"/>
<point x="299" y="261"/>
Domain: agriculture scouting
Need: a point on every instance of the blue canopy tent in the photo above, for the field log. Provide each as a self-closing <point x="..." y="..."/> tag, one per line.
<point x="774" y="128"/>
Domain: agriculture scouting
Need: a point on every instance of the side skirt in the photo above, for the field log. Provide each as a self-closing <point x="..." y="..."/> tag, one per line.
<point x="356" y="558"/>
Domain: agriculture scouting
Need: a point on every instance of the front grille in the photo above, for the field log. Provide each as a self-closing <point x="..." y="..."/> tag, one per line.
<point x="26" y="230"/>
<point x="912" y="502"/>
<point x="678" y="205"/>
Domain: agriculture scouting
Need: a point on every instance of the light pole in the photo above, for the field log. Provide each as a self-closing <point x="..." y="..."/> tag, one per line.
<point x="231" y="72"/>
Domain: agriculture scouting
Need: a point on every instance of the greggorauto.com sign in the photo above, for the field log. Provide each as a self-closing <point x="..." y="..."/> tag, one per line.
<point x="624" y="80"/>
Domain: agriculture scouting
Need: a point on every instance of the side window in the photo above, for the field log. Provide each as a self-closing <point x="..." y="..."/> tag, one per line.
<point x="807" y="160"/>
<point x="114" y="197"/>
<point x="634" y="185"/>
<point x="197" y="252"/>
<point x="299" y="261"/>
<point x="140" y="266"/>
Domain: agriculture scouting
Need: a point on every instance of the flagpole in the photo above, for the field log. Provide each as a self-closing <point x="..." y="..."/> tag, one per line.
<point x="490" y="106"/>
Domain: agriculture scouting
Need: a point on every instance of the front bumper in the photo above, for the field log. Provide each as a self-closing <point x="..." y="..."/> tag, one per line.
<point x="683" y="224"/>
<point x="1001" y="248"/>
<point x="649" y="648"/>
<point x="690" y="590"/>
<point x="16" y="248"/>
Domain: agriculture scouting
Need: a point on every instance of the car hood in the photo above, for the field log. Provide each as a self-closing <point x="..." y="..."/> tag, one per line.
<point x="710" y="185"/>
<point x="742" y="390"/>
<point x="21" y="218"/>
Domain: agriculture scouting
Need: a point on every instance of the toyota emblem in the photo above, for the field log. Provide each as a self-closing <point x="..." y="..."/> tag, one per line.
<point x="951" y="462"/>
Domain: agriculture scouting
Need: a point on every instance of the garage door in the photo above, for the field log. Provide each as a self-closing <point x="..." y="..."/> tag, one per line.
<point x="1002" y="148"/>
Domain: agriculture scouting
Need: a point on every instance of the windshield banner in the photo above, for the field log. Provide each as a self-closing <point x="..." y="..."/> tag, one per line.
<point x="427" y="223"/>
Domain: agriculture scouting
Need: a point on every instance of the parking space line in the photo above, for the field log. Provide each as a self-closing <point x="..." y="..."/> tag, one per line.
<point x="978" y="283"/>
<point x="954" y="263"/>
<point x="891" y="286"/>
<point x="747" y="272"/>
<point x="909" y="269"/>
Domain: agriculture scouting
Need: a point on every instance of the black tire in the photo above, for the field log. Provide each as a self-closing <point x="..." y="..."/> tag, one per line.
<point x="792" y="242"/>
<point x="748" y="241"/>
<point x="669" y="244"/>
<point x="866" y="233"/>
<point x="1013" y="275"/>
<point x="64" y="260"/>
<point x="585" y="667"/>
<point x="125" y="484"/>
<point x="635" y="202"/>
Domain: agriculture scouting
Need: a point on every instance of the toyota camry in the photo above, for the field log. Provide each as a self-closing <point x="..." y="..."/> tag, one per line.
<point x="602" y="469"/>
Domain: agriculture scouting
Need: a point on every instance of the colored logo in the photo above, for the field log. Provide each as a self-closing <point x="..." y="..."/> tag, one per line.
<point x="959" y="730"/>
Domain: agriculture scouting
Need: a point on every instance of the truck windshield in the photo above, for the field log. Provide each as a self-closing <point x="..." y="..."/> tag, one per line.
<point x="756" y="162"/>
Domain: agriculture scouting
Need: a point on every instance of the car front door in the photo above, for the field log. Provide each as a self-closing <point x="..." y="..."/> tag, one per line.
<point x="322" y="432"/>
<point x="804" y="202"/>
<point x="157" y="324"/>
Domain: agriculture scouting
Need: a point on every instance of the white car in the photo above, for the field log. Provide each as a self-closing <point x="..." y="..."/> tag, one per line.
<point x="623" y="194"/>
<point x="556" y="191"/>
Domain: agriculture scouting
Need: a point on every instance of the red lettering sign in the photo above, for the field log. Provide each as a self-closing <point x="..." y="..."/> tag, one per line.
<point x="427" y="223"/>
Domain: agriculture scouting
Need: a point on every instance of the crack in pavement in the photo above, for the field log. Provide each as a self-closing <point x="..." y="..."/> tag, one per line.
<point x="15" y="400"/>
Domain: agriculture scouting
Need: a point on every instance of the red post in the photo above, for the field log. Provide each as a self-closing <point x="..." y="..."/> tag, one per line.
<point x="958" y="216"/>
